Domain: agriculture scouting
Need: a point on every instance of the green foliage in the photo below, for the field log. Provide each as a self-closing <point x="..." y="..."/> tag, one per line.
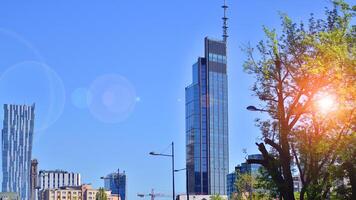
<point x="216" y="197"/>
<point x="265" y="186"/>
<point x="255" y="187"/>
<point x="101" y="195"/>
<point x="244" y="185"/>
<point x="293" y="70"/>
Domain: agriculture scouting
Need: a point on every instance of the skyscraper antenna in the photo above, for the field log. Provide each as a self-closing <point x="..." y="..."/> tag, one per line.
<point x="225" y="27"/>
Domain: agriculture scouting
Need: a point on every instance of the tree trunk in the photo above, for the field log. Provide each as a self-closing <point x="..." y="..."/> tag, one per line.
<point x="285" y="159"/>
<point x="302" y="192"/>
<point x="352" y="176"/>
<point x="289" y="181"/>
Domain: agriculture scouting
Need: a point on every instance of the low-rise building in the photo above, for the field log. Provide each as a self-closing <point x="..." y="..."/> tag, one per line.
<point x="83" y="192"/>
<point x="56" y="179"/>
<point x="52" y="179"/>
<point x="89" y="193"/>
<point x="198" y="197"/>
<point x="9" y="196"/>
<point x="63" y="194"/>
<point x="297" y="184"/>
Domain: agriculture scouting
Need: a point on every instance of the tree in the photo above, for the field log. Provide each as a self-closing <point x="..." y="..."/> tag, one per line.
<point x="216" y="197"/>
<point x="320" y="139"/>
<point x="101" y="195"/>
<point x="244" y="185"/>
<point x="254" y="186"/>
<point x="293" y="71"/>
<point x="265" y="186"/>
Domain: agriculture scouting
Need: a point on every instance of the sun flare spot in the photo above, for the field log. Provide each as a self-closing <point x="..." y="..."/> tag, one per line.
<point x="326" y="103"/>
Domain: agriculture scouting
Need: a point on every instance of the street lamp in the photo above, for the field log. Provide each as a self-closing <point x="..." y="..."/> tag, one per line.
<point x="253" y="108"/>
<point x="173" y="170"/>
<point x="186" y="179"/>
<point x="117" y="182"/>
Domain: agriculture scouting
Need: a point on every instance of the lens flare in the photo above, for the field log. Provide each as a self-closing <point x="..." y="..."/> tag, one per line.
<point x="113" y="98"/>
<point x="39" y="84"/>
<point x="326" y="103"/>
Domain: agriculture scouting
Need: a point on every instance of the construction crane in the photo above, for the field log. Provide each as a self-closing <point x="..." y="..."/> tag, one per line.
<point x="153" y="195"/>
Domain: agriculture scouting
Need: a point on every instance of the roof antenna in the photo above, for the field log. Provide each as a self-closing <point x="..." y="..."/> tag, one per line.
<point x="225" y="27"/>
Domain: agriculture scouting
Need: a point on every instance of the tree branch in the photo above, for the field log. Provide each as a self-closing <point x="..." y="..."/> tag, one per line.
<point x="274" y="145"/>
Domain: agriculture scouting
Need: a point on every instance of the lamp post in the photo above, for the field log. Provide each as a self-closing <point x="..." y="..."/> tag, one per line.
<point x="186" y="180"/>
<point x="253" y="108"/>
<point x="173" y="170"/>
<point x="117" y="182"/>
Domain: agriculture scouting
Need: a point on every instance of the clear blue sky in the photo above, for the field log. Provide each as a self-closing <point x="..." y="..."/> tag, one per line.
<point x="143" y="49"/>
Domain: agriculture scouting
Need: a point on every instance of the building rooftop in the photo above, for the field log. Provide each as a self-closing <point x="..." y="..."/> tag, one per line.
<point x="55" y="171"/>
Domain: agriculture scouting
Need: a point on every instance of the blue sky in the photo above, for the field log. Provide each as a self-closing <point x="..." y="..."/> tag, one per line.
<point x="73" y="57"/>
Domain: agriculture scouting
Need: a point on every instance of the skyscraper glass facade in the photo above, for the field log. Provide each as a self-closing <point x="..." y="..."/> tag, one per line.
<point x="17" y="138"/>
<point x="231" y="180"/>
<point x="117" y="183"/>
<point x="244" y="168"/>
<point x="207" y="122"/>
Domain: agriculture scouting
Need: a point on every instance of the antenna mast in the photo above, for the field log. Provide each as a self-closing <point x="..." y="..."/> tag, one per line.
<point x="225" y="27"/>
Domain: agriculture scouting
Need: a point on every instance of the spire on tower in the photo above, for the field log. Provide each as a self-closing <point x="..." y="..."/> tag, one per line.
<point x="225" y="27"/>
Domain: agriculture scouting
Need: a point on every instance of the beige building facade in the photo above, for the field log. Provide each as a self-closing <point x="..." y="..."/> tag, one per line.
<point x="198" y="197"/>
<point x="83" y="192"/>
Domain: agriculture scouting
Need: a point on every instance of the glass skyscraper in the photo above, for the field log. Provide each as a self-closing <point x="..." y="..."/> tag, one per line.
<point x="207" y="148"/>
<point x="244" y="168"/>
<point x="17" y="137"/>
<point x="117" y="183"/>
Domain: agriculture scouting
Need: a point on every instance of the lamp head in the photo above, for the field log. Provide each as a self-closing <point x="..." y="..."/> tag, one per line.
<point x="252" y="108"/>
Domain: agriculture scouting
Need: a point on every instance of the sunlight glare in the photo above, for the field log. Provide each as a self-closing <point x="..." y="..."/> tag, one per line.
<point x="326" y="103"/>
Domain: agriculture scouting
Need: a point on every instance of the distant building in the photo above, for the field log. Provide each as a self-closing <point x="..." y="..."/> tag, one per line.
<point x="244" y="168"/>
<point x="117" y="183"/>
<point x="251" y="168"/>
<point x="9" y="196"/>
<point x="58" y="178"/>
<point x="63" y="193"/>
<point x="90" y="193"/>
<point x="83" y="192"/>
<point x="33" y="179"/>
<point x="231" y="179"/>
<point x="17" y="139"/>
<point x="55" y="179"/>
<point x="198" y="197"/>
<point x="297" y="184"/>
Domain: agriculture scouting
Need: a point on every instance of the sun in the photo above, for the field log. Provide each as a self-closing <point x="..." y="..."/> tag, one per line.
<point x="326" y="103"/>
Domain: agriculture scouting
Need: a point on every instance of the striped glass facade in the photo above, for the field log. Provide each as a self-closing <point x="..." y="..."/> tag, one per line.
<point x="17" y="138"/>
<point x="207" y="122"/>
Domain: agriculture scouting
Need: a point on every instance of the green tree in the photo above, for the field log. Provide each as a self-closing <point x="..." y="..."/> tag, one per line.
<point x="245" y="183"/>
<point x="293" y="71"/>
<point x="216" y="197"/>
<point x="265" y="187"/>
<point x="101" y="195"/>
<point x="253" y="187"/>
